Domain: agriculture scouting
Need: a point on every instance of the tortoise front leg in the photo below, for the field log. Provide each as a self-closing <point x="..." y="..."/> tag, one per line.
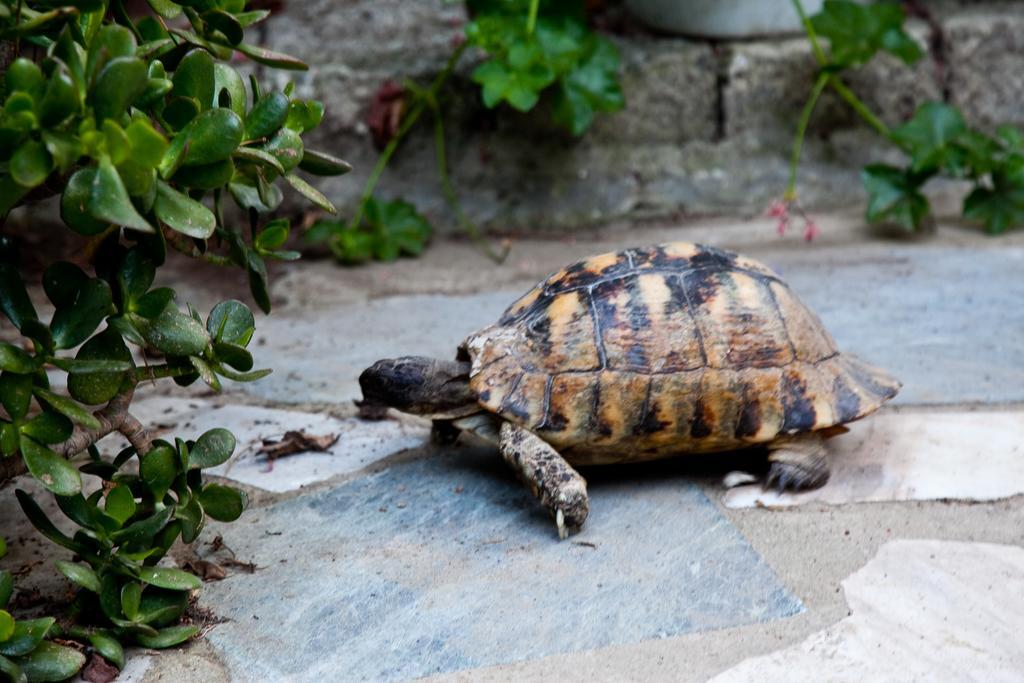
<point x="560" y="488"/>
<point x="798" y="462"/>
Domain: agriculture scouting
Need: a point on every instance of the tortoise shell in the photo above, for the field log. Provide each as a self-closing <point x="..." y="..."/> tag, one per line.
<point x="672" y="348"/>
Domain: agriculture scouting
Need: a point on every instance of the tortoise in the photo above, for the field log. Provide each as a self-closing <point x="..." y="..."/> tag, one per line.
<point x="642" y="354"/>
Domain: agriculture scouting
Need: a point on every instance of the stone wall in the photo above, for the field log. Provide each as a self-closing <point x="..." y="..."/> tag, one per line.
<point x="707" y="127"/>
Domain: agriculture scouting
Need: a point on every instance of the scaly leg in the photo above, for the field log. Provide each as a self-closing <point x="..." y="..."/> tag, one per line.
<point x="798" y="462"/>
<point x="560" y="488"/>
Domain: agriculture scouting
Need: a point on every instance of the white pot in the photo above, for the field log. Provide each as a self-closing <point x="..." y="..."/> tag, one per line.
<point x="722" y="18"/>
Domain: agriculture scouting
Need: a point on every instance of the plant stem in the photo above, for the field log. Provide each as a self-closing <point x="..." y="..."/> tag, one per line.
<point x="408" y="121"/>
<point x="819" y="53"/>
<point x="858" y="106"/>
<point x="452" y="197"/>
<point x="801" y="131"/>
<point x="531" y="18"/>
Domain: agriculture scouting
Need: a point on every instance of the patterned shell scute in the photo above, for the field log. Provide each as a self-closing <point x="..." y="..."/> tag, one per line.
<point x="677" y="346"/>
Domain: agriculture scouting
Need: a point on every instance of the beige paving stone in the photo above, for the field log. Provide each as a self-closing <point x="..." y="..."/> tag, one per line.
<point x="905" y="455"/>
<point x="921" y="610"/>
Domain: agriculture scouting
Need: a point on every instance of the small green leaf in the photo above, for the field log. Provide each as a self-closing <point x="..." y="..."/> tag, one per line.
<point x="12" y="671"/>
<point x="210" y="137"/>
<point x="109" y="201"/>
<point x="182" y="213"/>
<point x="6" y="626"/>
<point x="229" y="88"/>
<point x="55" y="473"/>
<point x="28" y="634"/>
<point x="231" y="322"/>
<point x="211" y="449"/>
<point x="51" y="662"/>
<point x="159" y="468"/>
<point x="222" y="503"/>
<point x="267" y="117"/>
<point x="323" y="164"/>
<point x="226" y="23"/>
<point x="856" y="32"/>
<point x="271" y="58"/>
<point x="80" y="574"/>
<point x="928" y="135"/>
<point x="998" y="208"/>
<point x="108" y="647"/>
<point x="30" y="164"/>
<point x="148" y="146"/>
<point x="15" y="360"/>
<point x="120" y="505"/>
<point x="48" y="428"/>
<point x="168" y="637"/>
<point x="174" y="333"/>
<point x="14" y="301"/>
<point x="894" y="195"/>
<point x="311" y="193"/>
<point x="304" y="116"/>
<point x="131" y="595"/>
<point x="74" y="204"/>
<point x="286" y="146"/>
<point x="15" y="394"/>
<point x="167" y="577"/>
<point x="143" y="530"/>
<point x="25" y="75"/>
<point x="194" y="78"/>
<point x="74" y="323"/>
<point x="120" y="82"/>
<point x="68" y="407"/>
<point x="100" y="368"/>
<point x="258" y="156"/>
<point x="6" y="587"/>
<point x="62" y="282"/>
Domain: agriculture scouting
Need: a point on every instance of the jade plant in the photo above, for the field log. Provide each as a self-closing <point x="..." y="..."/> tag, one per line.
<point x="146" y="130"/>
<point x="937" y="140"/>
<point x="530" y="48"/>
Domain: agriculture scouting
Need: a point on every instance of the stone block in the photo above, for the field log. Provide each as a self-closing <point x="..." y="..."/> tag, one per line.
<point x="986" y="68"/>
<point x="447" y="563"/>
<point x="670" y="88"/>
<point x="768" y="83"/>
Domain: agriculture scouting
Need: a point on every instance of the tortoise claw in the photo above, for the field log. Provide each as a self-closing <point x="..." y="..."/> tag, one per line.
<point x="563" y="532"/>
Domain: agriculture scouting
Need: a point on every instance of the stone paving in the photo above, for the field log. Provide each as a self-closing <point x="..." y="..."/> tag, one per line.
<point x="386" y="558"/>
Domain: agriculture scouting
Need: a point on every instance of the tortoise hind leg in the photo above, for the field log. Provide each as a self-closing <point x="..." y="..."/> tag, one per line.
<point x="797" y="462"/>
<point x="560" y="488"/>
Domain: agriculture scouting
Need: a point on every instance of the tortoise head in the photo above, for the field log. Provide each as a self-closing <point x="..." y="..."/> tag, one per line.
<point x="421" y="386"/>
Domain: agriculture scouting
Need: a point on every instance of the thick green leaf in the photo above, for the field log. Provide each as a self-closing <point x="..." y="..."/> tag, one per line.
<point x="15" y="394"/>
<point x="211" y="449"/>
<point x="120" y="82"/>
<point x="62" y="282"/>
<point x="258" y="156"/>
<point x="311" y="193"/>
<point x="80" y="574"/>
<point x="267" y="117"/>
<point x="226" y="23"/>
<point x="55" y="473"/>
<point x="40" y="521"/>
<point x="231" y="322"/>
<point x="222" y="503"/>
<point x="72" y="324"/>
<point x="106" y="350"/>
<point x="167" y="577"/>
<point x="74" y="204"/>
<point x="51" y="662"/>
<point x="68" y="407"/>
<point x="205" y="177"/>
<point x="25" y="75"/>
<point x="61" y="98"/>
<point x="161" y="607"/>
<point x="28" y="634"/>
<point x="194" y="78"/>
<point x="174" y="333"/>
<point x="30" y="164"/>
<point x="6" y="587"/>
<point x="304" y="115"/>
<point x="271" y="58"/>
<point x="323" y="164"/>
<point x="6" y="626"/>
<point x="12" y="671"/>
<point x="229" y="88"/>
<point x="205" y="372"/>
<point x="108" y="647"/>
<point x="131" y="595"/>
<point x="168" y="637"/>
<point x="143" y="530"/>
<point x="148" y="146"/>
<point x="210" y="137"/>
<point x="48" y="428"/>
<point x="894" y="195"/>
<point x="286" y="146"/>
<point x="158" y="469"/>
<point x="120" y="504"/>
<point x="183" y="214"/>
<point x="109" y="201"/>
<point x="15" y="360"/>
<point x="14" y="301"/>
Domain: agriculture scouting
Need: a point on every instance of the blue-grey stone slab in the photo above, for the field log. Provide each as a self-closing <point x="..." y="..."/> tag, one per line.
<point x="447" y="563"/>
